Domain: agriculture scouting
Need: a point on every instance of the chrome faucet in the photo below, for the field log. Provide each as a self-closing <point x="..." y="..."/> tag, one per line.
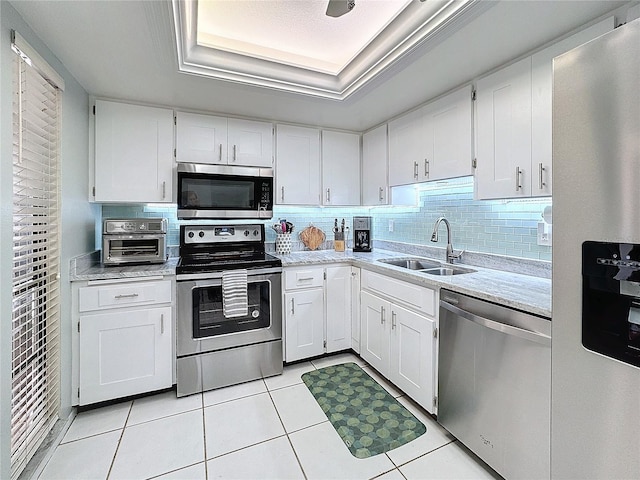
<point x="434" y="238"/>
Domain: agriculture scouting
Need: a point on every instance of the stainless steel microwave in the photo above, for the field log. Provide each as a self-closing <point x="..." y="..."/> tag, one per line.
<point x="222" y="191"/>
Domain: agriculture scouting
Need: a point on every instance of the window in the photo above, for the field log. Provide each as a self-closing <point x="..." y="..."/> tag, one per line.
<point x="35" y="396"/>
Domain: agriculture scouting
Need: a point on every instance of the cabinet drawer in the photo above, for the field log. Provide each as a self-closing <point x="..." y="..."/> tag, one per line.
<point x="419" y="298"/>
<point x="126" y="294"/>
<point x="303" y="278"/>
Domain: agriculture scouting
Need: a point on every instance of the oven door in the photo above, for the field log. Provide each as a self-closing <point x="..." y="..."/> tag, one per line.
<point x="136" y="248"/>
<point x="220" y="191"/>
<point x="202" y="326"/>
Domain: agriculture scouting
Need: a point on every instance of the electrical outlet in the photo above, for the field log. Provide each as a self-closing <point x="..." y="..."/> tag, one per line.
<point x="391" y="225"/>
<point x="544" y="234"/>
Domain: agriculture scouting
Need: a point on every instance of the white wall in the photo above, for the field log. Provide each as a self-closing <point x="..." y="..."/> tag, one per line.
<point x="77" y="213"/>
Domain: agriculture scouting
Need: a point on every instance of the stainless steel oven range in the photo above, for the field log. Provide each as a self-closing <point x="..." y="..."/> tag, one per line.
<point x="229" y="313"/>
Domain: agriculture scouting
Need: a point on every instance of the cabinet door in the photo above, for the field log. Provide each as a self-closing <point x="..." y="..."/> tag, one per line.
<point x="412" y="361"/>
<point x="374" y="337"/>
<point x="450" y="136"/>
<point x="201" y="138"/>
<point x="124" y="353"/>
<point x="338" y="308"/>
<point x="133" y="153"/>
<point x="406" y="148"/>
<point x="250" y="143"/>
<point x="375" y="161"/>
<point x="541" y="105"/>
<point x="504" y="132"/>
<point x="304" y="324"/>
<point x="297" y="165"/>
<point x="355" y="309"/>
<point x="340" y="168"/>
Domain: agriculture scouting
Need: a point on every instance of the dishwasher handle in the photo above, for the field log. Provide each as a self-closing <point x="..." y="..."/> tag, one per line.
<point x="500" y="327"/>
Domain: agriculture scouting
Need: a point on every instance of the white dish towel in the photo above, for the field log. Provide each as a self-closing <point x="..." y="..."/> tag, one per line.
<point x="234" y="293"/>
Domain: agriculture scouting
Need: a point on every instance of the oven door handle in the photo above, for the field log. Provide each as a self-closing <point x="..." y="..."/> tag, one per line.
<point x="218" y="275"/>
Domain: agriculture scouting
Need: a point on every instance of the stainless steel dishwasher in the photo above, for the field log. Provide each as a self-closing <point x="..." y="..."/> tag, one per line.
<point x="494" y="381"/>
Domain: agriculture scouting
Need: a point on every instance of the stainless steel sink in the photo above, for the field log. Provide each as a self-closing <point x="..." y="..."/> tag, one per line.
<point x="426" y="266"/>
<point x="448" y="271"/>
<point x="411" y="263"/>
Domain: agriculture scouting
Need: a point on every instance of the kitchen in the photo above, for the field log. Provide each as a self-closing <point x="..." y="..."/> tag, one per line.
<point x="390" y="223"/>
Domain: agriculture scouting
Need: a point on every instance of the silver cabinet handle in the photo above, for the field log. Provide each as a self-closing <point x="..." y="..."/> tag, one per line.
<point x="500" y="327"/>
<point x="518" y="175"/>
<point x="328" y="195"/>
<point x="164" y="190"/>
<point x="393" y="319"/>
<point x="380" y="192"/>
<point x="235" y="153"/>
<point x="426" y="168"/>
<point x="220" y="154"/>
<point x="382" y="315"/>
<point x="293" y="307"/>
<point x="305" y="279"/>
<point x="128" y="295"/>
<point x="415" y="169"/>
<point x="162" y="324"/>
<point x="282" y="194"/>
<point x="541" y="183"/>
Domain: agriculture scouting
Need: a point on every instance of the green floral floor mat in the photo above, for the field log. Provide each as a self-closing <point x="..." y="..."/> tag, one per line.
<point x="367" y="418"/>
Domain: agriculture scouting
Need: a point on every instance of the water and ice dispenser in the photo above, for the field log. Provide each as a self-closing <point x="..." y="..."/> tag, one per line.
<point x="611" y="300"/>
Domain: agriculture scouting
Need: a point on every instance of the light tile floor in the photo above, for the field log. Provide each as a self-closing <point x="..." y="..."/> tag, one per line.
<point x="267" y="429"/>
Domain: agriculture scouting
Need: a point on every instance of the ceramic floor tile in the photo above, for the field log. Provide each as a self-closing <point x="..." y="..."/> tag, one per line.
<point x="323" y="455"/>
<point x="386" y="384"/>
<point x="100" y="420"/>
<point x="452" y="461"/>
<point x="268" y="460"/>
<point x="194" y="472"/>
<point x="392" y="475"/>
<point x="160" y="446"/>
<point x="435" y="437"/>
<point x="297" y="407"/>
<point x="162" y="405"/>
<point x="240" y="423"/>
<point x="337" y="359"/>
<point x="290" y="376"/>
<point x="213" y="397"/>
<point x="70" y="461"/>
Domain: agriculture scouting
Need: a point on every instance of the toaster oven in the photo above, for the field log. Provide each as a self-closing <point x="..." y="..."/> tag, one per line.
<point x="134" y="241"/>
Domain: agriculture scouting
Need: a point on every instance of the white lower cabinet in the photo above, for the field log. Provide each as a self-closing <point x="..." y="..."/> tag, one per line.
<point x="317" y="310"/>
<point x="123" y="341"/>
<point x="398" y="339"/>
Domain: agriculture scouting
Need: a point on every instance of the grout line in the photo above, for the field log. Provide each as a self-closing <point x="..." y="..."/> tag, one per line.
<point x="113" y="460"/>
<point x="204" y="436"/>
<point x="178" y="469"/>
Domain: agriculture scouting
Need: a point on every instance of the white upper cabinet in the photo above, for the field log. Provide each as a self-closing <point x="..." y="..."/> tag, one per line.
<point x="297" y="165"/>
<point x="224" y="141"/>
<point x="201" y="138"/>
<point x="504" y="132"/>
<point x="133" y="153"/>
<point x="340" y="168"/>
<point x="449" y="136"/>
<point x="433" y="142"/>
<point x="250" y="143"/>
<point x="375" y="161"/>
<point x="406" y="148"/>
<point x="541" y="103"/>
<point x="514" y="113"/>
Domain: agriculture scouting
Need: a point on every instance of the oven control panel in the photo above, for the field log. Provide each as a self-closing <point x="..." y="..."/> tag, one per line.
<point x="223" y="233"/>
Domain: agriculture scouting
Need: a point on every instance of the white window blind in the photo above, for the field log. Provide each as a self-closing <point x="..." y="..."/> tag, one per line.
<point x="35" y="365"/>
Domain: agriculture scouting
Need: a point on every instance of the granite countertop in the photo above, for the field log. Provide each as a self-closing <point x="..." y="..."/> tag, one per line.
<point x="96" y="271"/>
<point x="523" y="292"/>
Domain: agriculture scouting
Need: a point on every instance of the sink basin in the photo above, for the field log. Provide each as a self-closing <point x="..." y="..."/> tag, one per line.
<point x="448" y="271"/>
<point x="410" y="263"/>
<point x="426" y="266"/>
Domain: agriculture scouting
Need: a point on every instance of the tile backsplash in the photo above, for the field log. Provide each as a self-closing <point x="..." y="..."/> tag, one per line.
<point x="503" y="227"/>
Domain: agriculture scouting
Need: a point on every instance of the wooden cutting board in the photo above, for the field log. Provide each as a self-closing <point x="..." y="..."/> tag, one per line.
<point x="312" y="237"/>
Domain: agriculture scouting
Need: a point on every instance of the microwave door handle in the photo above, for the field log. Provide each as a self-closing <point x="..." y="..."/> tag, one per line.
<point x="220" y="155"/>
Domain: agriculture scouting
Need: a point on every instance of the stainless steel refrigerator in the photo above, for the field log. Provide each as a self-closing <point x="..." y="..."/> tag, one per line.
<point x="595" y="394"/>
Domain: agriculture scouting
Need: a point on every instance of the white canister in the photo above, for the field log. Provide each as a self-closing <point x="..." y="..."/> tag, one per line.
<point x="283" y="243"/>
